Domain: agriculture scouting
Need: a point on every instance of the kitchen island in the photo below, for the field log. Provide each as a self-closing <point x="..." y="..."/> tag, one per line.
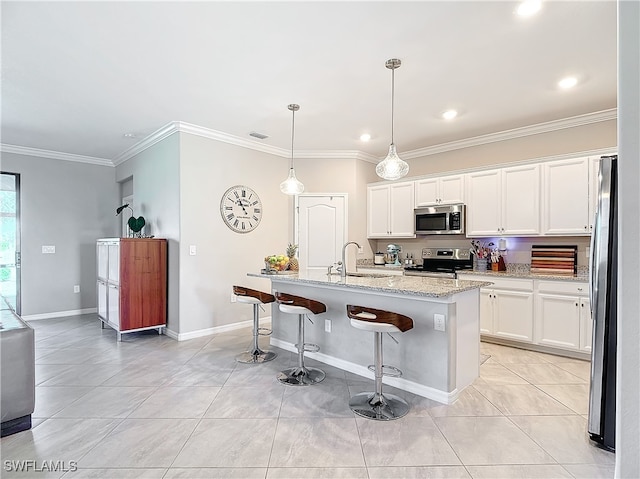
<point x="436" y="363"/>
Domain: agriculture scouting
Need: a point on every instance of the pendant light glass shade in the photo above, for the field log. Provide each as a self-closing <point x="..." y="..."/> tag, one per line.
<point x="392" y="167"/>
<point x="292" y="186"/>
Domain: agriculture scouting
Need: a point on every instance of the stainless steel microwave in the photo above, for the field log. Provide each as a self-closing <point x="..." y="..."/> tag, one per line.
<point x="440" y="220"/>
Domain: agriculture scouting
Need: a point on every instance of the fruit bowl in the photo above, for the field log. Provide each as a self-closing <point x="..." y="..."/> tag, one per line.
<point x="276" y="262"/>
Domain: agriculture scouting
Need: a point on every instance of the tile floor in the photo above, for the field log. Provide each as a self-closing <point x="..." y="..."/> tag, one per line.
<point x="152" y="407"/>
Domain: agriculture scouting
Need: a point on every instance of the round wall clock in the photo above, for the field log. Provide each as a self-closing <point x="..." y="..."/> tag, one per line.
<point x="241" y="209"/>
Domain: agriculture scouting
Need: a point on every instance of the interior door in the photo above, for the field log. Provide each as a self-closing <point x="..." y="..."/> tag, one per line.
<point x="10" y="242"/>
<point x="321" y="228"/>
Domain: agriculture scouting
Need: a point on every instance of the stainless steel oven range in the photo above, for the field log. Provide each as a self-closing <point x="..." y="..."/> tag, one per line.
<point x="441" y="263"/>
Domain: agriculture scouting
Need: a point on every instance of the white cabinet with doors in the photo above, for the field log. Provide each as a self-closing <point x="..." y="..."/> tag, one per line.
<point x="563" y="315"/>
<point x="440" y="191"/>
<point x="390" y="210"/>
<point x="505" y="201"/>
<point x="506" y="307"/>
<point x="565" y="198"/>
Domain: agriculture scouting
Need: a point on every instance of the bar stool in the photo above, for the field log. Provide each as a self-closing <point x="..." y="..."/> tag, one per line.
<point x="375" y="405"/>
<point x="256" y="298"/>
<point x="300" y="375"/>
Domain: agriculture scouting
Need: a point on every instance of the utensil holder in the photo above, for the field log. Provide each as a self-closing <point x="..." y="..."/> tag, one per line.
<point x="481" y="264"/>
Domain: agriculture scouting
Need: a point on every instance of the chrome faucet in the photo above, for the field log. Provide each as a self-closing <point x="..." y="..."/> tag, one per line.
<point x="343" y="269"/>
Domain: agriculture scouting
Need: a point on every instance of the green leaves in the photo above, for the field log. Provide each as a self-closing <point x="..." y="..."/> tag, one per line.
<point x="136" y="224"/>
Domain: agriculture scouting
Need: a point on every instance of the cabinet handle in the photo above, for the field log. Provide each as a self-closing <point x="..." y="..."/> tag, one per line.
<point x="576" y="304"/>
<point x="579" y="289"/>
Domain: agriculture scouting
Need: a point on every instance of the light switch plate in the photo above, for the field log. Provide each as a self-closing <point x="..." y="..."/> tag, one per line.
<point x="48" y="249"/>
<point x="438" y="322"/>
<point x="192" y="250"/>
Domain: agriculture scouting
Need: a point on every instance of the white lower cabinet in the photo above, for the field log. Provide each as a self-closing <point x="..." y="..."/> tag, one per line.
<point x="506" y="308"/>
<point x="553" y="314"/>
<point x="563" y="315"/>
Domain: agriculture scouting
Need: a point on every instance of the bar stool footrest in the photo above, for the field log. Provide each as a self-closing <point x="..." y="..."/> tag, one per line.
<point x="309" y="347"/>
<point x="391" y="371"/>
<point x="264" y="332"/>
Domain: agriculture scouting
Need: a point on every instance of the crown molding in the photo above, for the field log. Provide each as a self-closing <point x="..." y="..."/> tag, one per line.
<point x="571" y="122"/>
<point x="183" y="127"/>
<point x="150" y="140"/>
<point x="55" y="155"/>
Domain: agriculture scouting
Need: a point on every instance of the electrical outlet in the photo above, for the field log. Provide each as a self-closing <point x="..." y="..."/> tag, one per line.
<point x="48" y="249"/>
<point x="76" y="288"/>
<point x="233" y="298"/>
<point x="438" y="322"/>
<point x="192" y="250"/>
<point x="327" y="325"/>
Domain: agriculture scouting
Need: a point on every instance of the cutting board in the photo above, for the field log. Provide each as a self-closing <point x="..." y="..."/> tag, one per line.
<point x="554" y="259"/>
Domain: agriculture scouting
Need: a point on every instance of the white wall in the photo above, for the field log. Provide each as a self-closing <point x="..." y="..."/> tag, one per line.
<point x="207" y="169"/>
<point x="628" y="378"/>
<point x="68" y="205"/>
<point x="156" y="188"/>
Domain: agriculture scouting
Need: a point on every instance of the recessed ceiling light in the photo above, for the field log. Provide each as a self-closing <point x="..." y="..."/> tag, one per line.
<point x="365" y="137"/>
<point x="449" y="114"/>
<point x="130" y="135"/>
<point x="568" y="82"/>
<point x="529" y="7"/>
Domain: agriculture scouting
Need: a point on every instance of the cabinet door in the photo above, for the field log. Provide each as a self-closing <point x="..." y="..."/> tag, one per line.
<point x="426" y="192"/>
<point x="486" y="312"/>
<point x="401" y="211"/>
<point x="114" y="263"/>
<point x="558" y="321"/>
<point x="566" y="197"/>
<point x="521" y="200"/>
<point x="378" y="200"/>
<point x="483" y="203"/>
<point x="102" y="300"/>
<point x="513" y="315"/>
<point x="586" y="325"/>
<point x="113" y="306"/>
<point x="103" y="260"/>
<point x="451" y="189"/>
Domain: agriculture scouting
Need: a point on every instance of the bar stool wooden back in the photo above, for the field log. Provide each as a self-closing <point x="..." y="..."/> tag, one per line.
<point x="256" y="298"/>
<point x="375" y="405"/>
<point x="300" y="375"/>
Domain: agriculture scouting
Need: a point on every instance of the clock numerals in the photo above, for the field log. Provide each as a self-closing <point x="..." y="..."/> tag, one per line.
<point x="230" y="216"/>
<point x="257" y="211"/>
<point x="255" y="218"/>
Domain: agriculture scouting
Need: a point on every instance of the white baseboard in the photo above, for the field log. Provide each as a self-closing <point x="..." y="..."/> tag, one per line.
<point x="215" y="330"/>
<point x="59" y="314"/>
<point x="360" y="370"/>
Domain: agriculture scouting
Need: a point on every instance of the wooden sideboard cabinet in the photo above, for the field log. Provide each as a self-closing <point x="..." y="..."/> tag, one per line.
<point x="132" y="284"/>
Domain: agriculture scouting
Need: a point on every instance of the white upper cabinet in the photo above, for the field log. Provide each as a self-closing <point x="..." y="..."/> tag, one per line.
<point x="390" y="211"/>
<point x="440" y="191"/>
<point x="521" y="200"/>
<point x="504" y="201"/>
<point x="566" y="197"/>
<point x="484" y="199"/>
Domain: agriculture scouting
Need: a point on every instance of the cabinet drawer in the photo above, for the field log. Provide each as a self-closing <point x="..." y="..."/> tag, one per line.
<point x="515" y="284"/>
<point x="564" y="287"/>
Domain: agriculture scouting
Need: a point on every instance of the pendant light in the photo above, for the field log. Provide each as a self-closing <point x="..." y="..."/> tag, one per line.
<point x="292" y="186"/>
<point x="392" y="167"/>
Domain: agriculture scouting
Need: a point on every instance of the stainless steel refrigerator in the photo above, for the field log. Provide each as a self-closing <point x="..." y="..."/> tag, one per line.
<point x="603" y="291"/>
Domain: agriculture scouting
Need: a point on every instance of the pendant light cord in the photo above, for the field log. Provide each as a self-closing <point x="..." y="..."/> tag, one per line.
<point x="393" y="89"/>
<point x="293" y="125"/>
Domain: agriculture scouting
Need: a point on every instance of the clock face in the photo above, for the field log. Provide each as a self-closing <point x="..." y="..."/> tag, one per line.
<point x="241" y="209"/>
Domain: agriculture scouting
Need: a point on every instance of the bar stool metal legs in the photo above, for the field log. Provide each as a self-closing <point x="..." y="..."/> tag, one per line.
<point x="255" y="354"/>
<point x="376" y="405"/>
<point x="301" y="375"/>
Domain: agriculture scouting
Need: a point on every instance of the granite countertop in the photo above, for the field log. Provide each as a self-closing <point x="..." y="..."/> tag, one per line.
<point x="409" y="285"/>
<point x="526" y="274"/>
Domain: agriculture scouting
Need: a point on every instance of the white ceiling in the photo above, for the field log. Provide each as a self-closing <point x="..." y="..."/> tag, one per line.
<point x="76" y="76"/>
